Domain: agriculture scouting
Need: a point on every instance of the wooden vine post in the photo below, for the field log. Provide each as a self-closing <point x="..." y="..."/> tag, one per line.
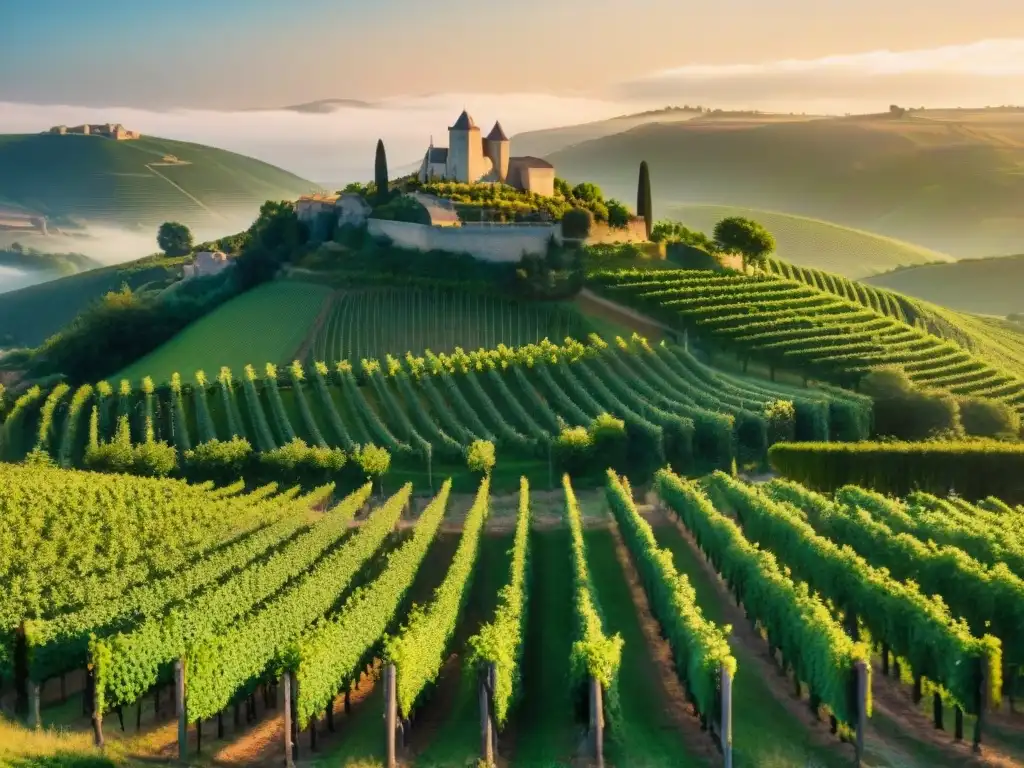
<point x="597" y="721"/>
<point x="390" y="714"/>
<point x="35" y="719"/>
<point x="726" y="727"/>
<point x="181" y="708"/>
<point x="488" y="730"/>
<point x="289" y="753"/>
<point x="982" y="699"/>
<point x="862" y="707"/>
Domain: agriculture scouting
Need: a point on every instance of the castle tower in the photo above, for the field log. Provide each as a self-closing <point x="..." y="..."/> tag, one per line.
<point x="497" y="147"/>
<point x="465" y="151"/>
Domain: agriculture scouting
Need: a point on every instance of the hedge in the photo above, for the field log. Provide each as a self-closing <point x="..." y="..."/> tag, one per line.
<point x="973" y="470"/>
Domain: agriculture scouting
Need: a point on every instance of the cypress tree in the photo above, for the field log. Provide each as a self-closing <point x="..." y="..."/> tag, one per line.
<point x="643" y="198"/>
<point x="380" y="170"/>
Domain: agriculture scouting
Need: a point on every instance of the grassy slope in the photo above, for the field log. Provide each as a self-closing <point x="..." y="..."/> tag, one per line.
<point x="949" y="183"/>
<point x="815" y="243"/>
<point x="96" y="179"/>
<point x="985" y="286"/>
<point x="267" y="324"/>
<point x="31" y="315"/>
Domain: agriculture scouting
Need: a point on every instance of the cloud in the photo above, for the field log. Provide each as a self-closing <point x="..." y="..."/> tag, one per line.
<point x="337" y="146"/>
<point x="986" y="72"/>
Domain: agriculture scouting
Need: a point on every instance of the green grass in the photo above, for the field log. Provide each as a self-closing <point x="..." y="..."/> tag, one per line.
<point x="376" y="322"/>
<point x="983" y="286"/>
<point x="815" y="243"/>
<point x="90" y="178"/>
<point x="267" y="324"/>
<point x="544" y="732"/>
<point x="950" y="182"/>
<point x="765" y="734"/>
<point x="648" y="738"/>
<point x="31" y="315"/>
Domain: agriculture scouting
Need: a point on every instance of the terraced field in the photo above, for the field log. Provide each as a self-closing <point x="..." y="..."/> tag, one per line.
<point x="792" y="325"/>
<point x="374" y="322"/>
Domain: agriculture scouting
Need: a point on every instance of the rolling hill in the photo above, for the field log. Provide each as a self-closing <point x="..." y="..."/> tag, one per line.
<point x="947" y="181"/>
<point x="809" y="242"/>
<point x="983" y="286"/>
<point x="31" y="315"/>
<point x="139" y="183"/>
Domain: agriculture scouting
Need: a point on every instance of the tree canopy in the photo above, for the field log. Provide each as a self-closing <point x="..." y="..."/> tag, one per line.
<point x="745" y="237"/>
<point x="174" y="239"/>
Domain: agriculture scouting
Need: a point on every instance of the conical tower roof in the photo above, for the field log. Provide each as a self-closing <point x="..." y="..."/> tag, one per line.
<point x="465" y="122"/>
<point x="497" y="134"/>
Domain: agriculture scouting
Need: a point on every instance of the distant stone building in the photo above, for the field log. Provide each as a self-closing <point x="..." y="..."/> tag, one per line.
<point x="320" y="211"/>
<point x="114" y="131"/>
<point x="206" y="263"/>
<point x="471" y="159"/>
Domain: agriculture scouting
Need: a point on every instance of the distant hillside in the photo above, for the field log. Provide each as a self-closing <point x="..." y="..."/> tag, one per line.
<point x="544" y="142"/>
<point x="326" y="106"/>
<point x="992" y="286"/>
<point x="811" y="242"/>
<point x="950" y="181"/>
<point x="135" y="183"/>
<point x="31" y="315"/>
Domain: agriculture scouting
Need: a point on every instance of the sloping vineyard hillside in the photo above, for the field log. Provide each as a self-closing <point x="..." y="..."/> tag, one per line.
<point x="426" y="410"/>
<point x="995" y="340"/>
<point x="820" y="333"/>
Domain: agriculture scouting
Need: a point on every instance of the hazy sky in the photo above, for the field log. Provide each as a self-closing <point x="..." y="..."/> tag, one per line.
<point x="224" y="54"/>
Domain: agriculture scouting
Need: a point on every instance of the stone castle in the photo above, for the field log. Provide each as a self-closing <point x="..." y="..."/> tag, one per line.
<point x="470" y="158"/>
<point x="114" y="131"/>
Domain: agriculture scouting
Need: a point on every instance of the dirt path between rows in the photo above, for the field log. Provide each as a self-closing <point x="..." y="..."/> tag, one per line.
<point x="314" y="330"/>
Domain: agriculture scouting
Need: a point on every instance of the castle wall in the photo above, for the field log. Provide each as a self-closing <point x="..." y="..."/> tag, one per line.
<point x="540" y="181"/>
<point x="635" y="232"/>
<point x="499" y="242"/>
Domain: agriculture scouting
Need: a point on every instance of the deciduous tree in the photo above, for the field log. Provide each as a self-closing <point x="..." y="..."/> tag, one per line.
<point x="745" y="237"/>
<point x="174" y="239"/>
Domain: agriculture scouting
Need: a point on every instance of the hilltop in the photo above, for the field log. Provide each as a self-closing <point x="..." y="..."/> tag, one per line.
<point x="143" y="182"/>
<point x="947" y="180"/>
<point x="984" y="286"/>
<point x="809" y="242"/>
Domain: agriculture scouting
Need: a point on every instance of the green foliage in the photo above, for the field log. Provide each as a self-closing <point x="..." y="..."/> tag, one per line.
<point x="480" y="457"/>
<point x="781" y="417"/>
<point x="746" y="237"/>
<point x="973" y="470"/>
<point x="373" y="461"/>
<point x="918" y="629"/>
<point x="307" y="464"/>
<point x="402" y="208"/>
<point x="13" y="424"/>
<point x="700" y="649"/>
<point x="129" y="663"/>
<point x="217" y="460"/>
<point x="619" y="215"/>
<point x="60" y="644"/>
<point x="65" y="452"/>
<point x="419" y="649"/>
<point x="45" y="429"/>
<point x="577" y="223"/>
<point x="594" y="654"/>
<point x="674" y="232"/>
<point x="501" y="642"/>
<point x="796" y="620"/>
<point x="333" y="654"/>
<point x="981" y="417"/>
<point x="174" y="239"/>
<point x="221" y="665"/>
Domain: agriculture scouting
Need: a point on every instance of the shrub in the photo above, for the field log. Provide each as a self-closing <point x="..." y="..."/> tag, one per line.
<point x="373" y="461"/>
<point x="981" y="417"/>
<point x="572" y="450"/>
<point x="781" y="418"/>
<point x="577" y="223"/>
<point x="303" y="463"/>
<point x="223" y="462"/>
<point x="906" y="413"/>
<point x="480" y="457"/>
<point x="149" y="459"/>
<point x="972" y="469"/>
<point x="608" y="442"/>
